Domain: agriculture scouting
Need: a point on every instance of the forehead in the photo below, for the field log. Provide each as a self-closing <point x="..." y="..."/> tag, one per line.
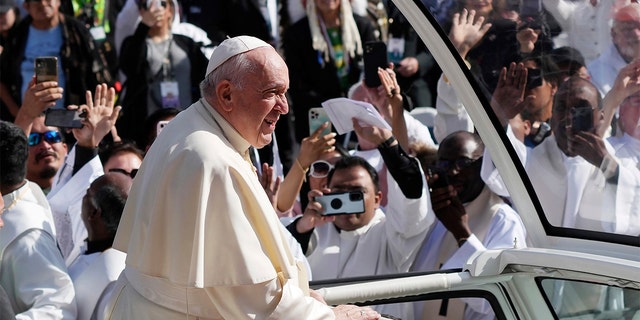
<point x="274" y="68"/>
<point x="458" y="147"/>
<point x="571" y="93"/>
<point x="351" y="176"/>
<point x="626" y="24"/>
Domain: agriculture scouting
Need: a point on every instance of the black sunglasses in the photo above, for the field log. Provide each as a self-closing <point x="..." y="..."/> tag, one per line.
<point x="131" y="174"/>
<point x="460" y="164"/>
<point x="49" y="136"/>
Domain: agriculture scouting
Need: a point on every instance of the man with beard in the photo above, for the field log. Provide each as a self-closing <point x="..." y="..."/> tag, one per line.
<point x="47" y="151"/>
<point x="471" y="217"/>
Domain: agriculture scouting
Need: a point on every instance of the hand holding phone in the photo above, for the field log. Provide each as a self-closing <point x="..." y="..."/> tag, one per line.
<point x="436" y="178"/>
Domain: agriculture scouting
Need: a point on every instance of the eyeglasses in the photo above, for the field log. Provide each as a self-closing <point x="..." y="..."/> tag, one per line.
<point x="459" y="164"/>
<point x="131" y="174"/>
<point x="320" y="169"/>
<point x="49" y="136"/>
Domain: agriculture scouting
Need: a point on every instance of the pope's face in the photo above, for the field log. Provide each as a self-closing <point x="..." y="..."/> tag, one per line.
<point x="257" y="105"/>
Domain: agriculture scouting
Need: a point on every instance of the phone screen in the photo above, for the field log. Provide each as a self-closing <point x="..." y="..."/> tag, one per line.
<point x="318" y="116"/>
<point x="63" y="118"/>
<point x="375" y="56"/>
<point x="46" y="69"/>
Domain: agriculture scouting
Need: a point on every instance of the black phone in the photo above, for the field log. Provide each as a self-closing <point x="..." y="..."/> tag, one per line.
<point x="46" y="69"/>
<point x="582" y="117"/>
<point x="63" y="118"/>
<point x="349" y="202"/>
<point x="375" y="56"/>
<point x="442" y="180"/>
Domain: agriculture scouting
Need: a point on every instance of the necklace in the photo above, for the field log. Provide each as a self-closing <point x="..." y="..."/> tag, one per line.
<point x="19" y="196"/>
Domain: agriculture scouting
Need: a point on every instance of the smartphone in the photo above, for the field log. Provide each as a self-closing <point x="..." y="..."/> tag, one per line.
<point x="46" y="69"/>
<point x="534" y="78"/>
<point x="318" y="116"/>
<point x="442" y="180"/>
<point x="582" y="117"/>
<point x="63" y="118"/>
<point x="375" y="56"/>
<point x="161" y="124"/>
<point x="349" y="202"/>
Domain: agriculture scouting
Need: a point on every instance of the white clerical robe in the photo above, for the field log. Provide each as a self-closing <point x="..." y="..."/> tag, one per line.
<point x="65" y="199"/>
<point x="495" y="225"/>
<point x="32" y="270"/>
<point x="201" y="236"/>
<point x="91" y="274"/>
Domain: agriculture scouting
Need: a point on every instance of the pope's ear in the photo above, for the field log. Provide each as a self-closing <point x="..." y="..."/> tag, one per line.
<point x="224" y="93"/>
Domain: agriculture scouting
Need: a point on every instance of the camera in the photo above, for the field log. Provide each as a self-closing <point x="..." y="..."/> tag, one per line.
<point x="349" y="202"/>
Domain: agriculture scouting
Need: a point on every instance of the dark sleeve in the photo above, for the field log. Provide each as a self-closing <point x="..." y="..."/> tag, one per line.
<point x="302" y="238"/>
<point x="404" y="170"/>
<point x="83" y="156"/>
<point x="133" y="54"/>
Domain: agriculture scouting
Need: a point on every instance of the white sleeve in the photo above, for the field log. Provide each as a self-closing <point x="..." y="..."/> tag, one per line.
<point x="42" y="286"/>
<point x="280" y="302"/>
<point x="451" y="116"/>
<point x="561" y="10"/>
<point x="126" y="23"/>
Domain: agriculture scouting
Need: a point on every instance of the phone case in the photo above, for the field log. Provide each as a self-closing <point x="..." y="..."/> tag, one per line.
<point x="582" y="119"/>
<point x="375" y="56"/>
<point x="46" y="69"/>
<point x="351" y="202"/>
<point x="318" y="116"/>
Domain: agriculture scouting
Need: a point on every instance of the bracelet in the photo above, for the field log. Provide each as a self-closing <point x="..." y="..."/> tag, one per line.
<point x="304" y="171"/>
<point x="387" y="143"/>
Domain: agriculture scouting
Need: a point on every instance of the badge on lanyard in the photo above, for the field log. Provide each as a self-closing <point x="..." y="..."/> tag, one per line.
<point x="170" y="95"/>
<point x="98" y="33"/>
<point x="395" y="49"/>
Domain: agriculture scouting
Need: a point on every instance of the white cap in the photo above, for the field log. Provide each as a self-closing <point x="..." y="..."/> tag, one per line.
<point x="231" y="47"/>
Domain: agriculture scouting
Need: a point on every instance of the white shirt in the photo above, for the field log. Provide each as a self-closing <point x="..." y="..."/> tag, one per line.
<point x="588" y="28"/>
<point x="605" y="69"/>
<point x="65" y="199"/>
<point x="32" y="270"/>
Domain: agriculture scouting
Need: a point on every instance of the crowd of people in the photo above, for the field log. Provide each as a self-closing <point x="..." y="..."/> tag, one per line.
<point x="194" y="185"/>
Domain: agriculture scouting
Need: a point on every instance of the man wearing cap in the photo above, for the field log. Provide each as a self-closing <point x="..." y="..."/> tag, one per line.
<point x="201" y="236"/>
<point x="625" y="34"/>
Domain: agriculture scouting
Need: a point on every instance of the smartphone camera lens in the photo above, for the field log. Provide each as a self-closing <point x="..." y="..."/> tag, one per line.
<point x="336" y="204"/>
<point x="355" y="196"/>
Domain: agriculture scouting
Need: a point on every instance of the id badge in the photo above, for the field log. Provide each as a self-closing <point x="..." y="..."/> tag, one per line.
<point x="98" y="33"/>
<point x="395" y="49"/>
<point x="170" y="95"/>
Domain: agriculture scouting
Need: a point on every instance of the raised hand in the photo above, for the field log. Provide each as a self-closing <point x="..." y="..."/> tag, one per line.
<point x="271" y="186"/>
<point x="508" y="99"/>
<point x="312" y="216"/>
<point x="466" y="31"/>
<point x="100" y="116"/>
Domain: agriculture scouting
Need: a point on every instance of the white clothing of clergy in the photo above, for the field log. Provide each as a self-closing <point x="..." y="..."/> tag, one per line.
<point x="201" y="236"/>
<point x="587" y="27"/>
<point x="91" y="274"/>
<point x="627" y="147"/>
<point x="387" y="244"/>
<point x="65" y="199"/>
<point x="451" y="115"/>
<point x="495" y="225"/>
<point x="605" y="69"/>
<point x="576" y="194"/>
<point x="32" y="270"/>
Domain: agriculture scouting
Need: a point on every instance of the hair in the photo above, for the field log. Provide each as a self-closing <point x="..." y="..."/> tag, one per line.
<point x="110" y="199"/>
<point x="233" y="70"/>
<point x="119" y="147"/>
<point x="550" y="71"/>
<point x="14" y="150"/>
<point x="348" y="162"/>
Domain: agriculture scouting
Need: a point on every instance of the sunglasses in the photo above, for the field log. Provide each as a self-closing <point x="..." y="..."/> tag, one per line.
<point x="131" y="174"/>
<point x="460" y="164"/>
<point x="320" y="169"/>
<point x="49" y="136"/>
